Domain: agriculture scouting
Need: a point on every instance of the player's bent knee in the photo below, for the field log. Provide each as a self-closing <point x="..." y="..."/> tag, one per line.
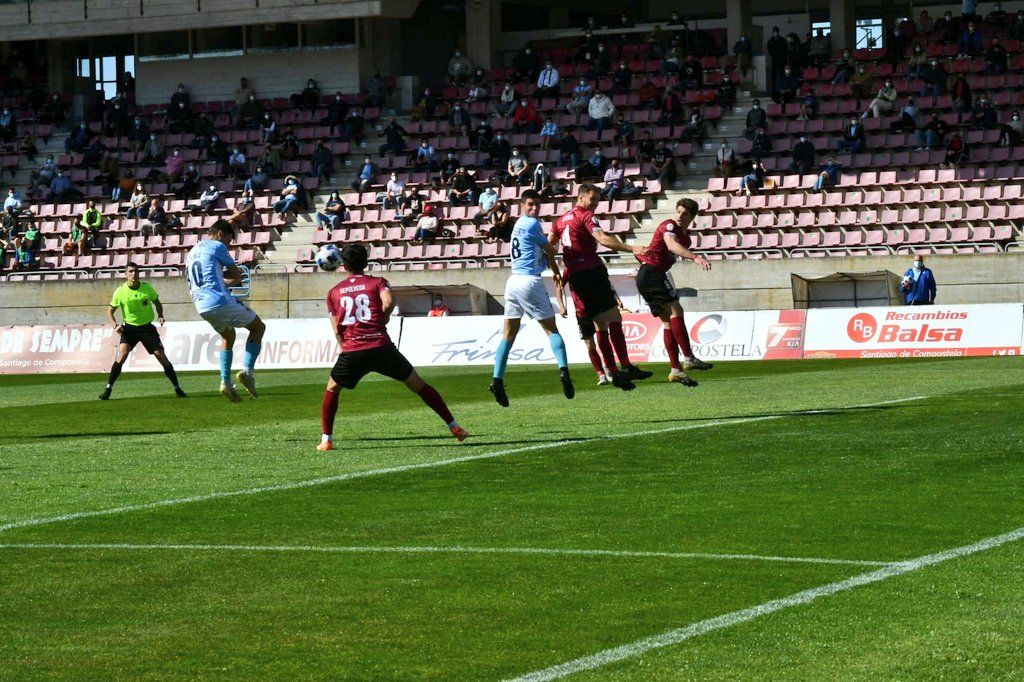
<point x="415" y="382"/>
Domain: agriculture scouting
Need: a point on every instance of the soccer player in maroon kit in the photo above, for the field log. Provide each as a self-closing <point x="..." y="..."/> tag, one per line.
<point x="652" y="281"/>
<point x="579" y="233"/>
<point x="360" y="307"/>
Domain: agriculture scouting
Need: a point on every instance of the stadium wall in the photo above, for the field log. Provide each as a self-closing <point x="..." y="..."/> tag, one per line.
<point x="278" y="74"/>
<point x="730" y="285"/>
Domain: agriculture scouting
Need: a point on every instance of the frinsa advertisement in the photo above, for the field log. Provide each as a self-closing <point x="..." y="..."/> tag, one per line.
<point x="914" y="332"/>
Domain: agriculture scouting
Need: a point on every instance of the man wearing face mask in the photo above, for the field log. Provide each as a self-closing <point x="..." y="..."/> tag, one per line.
<point x="804" y="156"/>
<point x="547" y="81"/>
<point x="459" y="68"/>
<point x="918" y="284"/>
<point x="947" y="28"/>
<point x="777" y="49"/>
<point x="1013" y="131"/>
<point x="860" y="84"/>
<point x="756" y="118"/>
<point x="725" y="159"/>
<point x="526" y="64"/>
<point x="853" y="138"/>
<point x="933" y="79"/>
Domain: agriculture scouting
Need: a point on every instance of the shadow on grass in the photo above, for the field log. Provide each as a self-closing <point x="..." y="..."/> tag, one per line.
<point x="794" y="413"/>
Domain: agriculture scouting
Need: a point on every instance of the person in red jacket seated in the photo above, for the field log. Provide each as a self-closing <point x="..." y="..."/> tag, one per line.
<point x="525" y="118"/>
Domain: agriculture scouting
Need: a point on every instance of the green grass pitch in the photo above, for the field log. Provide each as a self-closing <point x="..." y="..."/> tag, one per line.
<point x="551" y="536"/>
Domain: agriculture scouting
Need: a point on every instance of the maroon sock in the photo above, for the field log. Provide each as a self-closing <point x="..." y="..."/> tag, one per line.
<point x="606" y="351"/>
<point x="595" y="358"/>
<point x="328" y="408"/>
<point x="671" y="348"/>
<point x="619" y="341"/>
<point x="682" y="338"/>
<point x="434" y="400"/>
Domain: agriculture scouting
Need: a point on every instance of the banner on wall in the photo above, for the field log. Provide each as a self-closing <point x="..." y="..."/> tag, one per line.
<point x="914" y="332"/>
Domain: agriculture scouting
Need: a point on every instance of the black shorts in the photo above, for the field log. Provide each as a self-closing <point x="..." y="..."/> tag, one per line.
<point x="145" y="334"/>
<point x="587" y="328"/>
<point x="594" y="289"/>
<point x="386" y="360"/>
<point x="656" y="288"/>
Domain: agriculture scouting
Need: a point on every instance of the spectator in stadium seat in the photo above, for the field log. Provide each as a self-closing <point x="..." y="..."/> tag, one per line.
<point x="244" y="215"/>
<point x="270" y="160"/>
<point x="547" y="81"/>
<point x="109" y="174"/>
<point x="786" y="86"/>
<point x="956" y="149"/>
<point x="459" y="68"/>
<point x="138" y="203"/>
<point x="249" y="113"/>
<point x="808" y="103"/>
<point x="860" y="83"/>
<point x="243" y="93"/>
<point x="970" y="43"/>
<point x="756" y="118"/>
<point x="174" y="166"/>
<point x="12" y="204"/>
<point x="694" y="130"/>
<point x="743" y="54"/>
<point x="458" y="121"/>
<point x="820" y="48"/>
<point x="24" y="258"/>
<point x="946" y="28"/>
<point x="663" y="165"/>
<point x="525" y="118"/>
<point x="918" y="62"/>
<point x="93" y="153"/>
<point x="478" y="92"/>
<point x="238" y="165"/>
<point x="526" y="65"/>
<point x="258" y="181"/>
<point x="540" y="181"/>
<point x="337" y="111"/>
<point x="918" y="285"/>
<point x="601" y="112"/>
<point x="138" y="135"/>
<point x="426" y="226"/>
<point x="91" y="221"/>
<point x="845" y="67"/>
<point x="613" y="180"/>
<point x="78" y="139"/>
<point x="43" y="176"/>
<point x="191" y="178"/>
<point x="179" y="97"/>
<point x="449" y="166"/>
<point x="501" y="224"/>
<point x="963" y="99"/>
<point x="395" y="136"/>
<point x="410" y="206"/>
<point x="322" y="162"/>
<point x="762" y="144"/>
<point x="158" y="221"/>
<point x="438" y="308"/>
<point x="548" y="132"/>
<point x="601" y="65"/>
<point x="983" y="115"/>
<point x="179" y="119"/>
<point x="778" y="51"/>
<point x="593" y="167"/>
<point x="622" y="80"/>
<point x="506" y="102"/>
<point x="425" y="160"/>
<point x="115" y="121"/>
<point x="487" y="201"/>
<point x="996" y="17"/>
<point x="268" y="128"/>
<point x="61" y="188"/>
<point x="895" y="46"/>
<point x="624" y="131"/>
<point x="933" y="79"/>
<point x="691" y="75"/>
<point x="648" y="95"/>
<point x="804" y="156"/>
<point x="884" y="102"/>
<point x="392" y="192"/>
<point x="725" y="160"/>
<point x="499" y="152"/>
<point x="828" y="177"/>
<point x="753" y="181"/>
<point x="726" y="95"/>
<point x="517" y="171"/>
<point x="207" y="201"/>
<point x="309" y="98"/>
<point x="462" y="190"/>
<point x="580" y="98"/>
<point x="1012" y="132"/>
<point x="568" y="149"/>
<point x="852" y="137"/>
<point x="332" y="215"/>
<point x="671" y="58"/>
<point x="291" y="196"/>
<point x="54" y="111"/>
<point x="671" y="107"/>
<point x="125" y="184"/>
<point x="1017" y="27"/>
<point x="995" y="58"/>
<point x="932" y="134"/>
<point x="909" y="119"/>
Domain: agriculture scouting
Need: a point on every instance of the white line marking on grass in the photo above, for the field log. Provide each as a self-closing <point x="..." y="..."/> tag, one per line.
<point x="672" y="637"/>
<point x="455" y="549"/>
<point x="46" y="520"/>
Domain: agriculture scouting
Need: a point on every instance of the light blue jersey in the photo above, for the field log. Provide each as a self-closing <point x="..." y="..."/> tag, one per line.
<point x="528" y="242"/>
<point x="205" y="268"/>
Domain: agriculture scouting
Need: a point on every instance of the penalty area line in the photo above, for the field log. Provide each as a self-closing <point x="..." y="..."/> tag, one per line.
<point x="401" y="468"/>
<point x="454" y="549"/>
<point x="672" y="637"/>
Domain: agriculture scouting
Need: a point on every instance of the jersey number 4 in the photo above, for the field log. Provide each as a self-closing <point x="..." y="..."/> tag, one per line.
<point x="356" y="309"/>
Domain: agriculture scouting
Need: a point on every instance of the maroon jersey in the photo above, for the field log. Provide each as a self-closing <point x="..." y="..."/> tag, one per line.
<point x="355" y="303"/>
<point x="657" y="254"/>
<point x="575" y="230"/>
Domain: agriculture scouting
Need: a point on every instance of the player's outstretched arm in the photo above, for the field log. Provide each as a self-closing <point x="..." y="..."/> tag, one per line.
<point x="678" y="249"/>
<point x="615" y="244"/>
<point x="387" y="304"/>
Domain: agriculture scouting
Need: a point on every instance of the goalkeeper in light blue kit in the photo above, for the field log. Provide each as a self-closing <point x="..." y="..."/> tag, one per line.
<point x="211" y="270"/>
<point x="525" y="293"/>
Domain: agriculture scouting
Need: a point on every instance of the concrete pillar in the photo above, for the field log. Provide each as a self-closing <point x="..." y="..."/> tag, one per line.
<point x="737" y="21"/>
<point x="483" y="21"/>
<point x="843" y="17"/>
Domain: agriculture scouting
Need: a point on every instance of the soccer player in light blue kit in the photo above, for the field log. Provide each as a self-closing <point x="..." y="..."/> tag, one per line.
<point x="211" y="270"/>
<point x="525" y="294"/>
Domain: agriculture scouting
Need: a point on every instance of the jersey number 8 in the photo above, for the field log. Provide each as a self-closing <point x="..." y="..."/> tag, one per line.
<point x="516" y="252"/>
<point x="356" y="310"/>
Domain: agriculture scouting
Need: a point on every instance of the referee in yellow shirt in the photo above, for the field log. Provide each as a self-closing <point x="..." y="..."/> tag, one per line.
<point x="139" y="305"/>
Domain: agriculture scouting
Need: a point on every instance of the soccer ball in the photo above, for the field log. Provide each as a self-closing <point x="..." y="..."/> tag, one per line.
<point x="328" y="257"/>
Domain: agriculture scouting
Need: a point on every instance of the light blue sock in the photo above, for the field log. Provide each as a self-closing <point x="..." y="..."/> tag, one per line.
<point x="226" y="356"/>
<point x="558" y="348"/>
<point x="252" y="351"/>
<point x="501" y="358"/>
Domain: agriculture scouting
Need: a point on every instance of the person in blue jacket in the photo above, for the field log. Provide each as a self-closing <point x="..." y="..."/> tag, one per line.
<point x="919" y="284"/>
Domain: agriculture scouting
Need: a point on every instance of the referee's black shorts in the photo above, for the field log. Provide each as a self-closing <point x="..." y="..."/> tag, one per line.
<point x="594" y="289"/>
<point x="145" y="334"/>
<point x="656" y="288"/>
<point x="386" y="360"/>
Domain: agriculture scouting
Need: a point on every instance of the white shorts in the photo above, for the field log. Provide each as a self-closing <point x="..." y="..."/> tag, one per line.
<point x="527" y="295"/>
<point x="229" y="316"/>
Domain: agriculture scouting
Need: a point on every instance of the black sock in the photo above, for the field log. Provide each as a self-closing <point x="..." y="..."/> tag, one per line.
<point x="115" y="372"/>
<point x="171" y="374"/>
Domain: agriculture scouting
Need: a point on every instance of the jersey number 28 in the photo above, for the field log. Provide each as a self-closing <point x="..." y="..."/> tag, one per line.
<point x="356" y="310"/>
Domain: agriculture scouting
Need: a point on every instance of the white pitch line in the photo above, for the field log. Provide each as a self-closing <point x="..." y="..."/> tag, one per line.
<point x="46" y="520"/>
<point x="672" y="637"/>
<point x="455" y="549"/>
